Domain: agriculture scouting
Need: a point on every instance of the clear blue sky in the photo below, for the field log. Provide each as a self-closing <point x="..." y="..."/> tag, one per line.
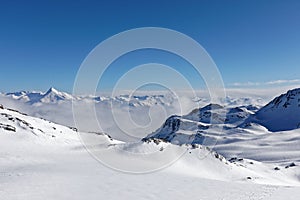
<point x="42" y="43"/>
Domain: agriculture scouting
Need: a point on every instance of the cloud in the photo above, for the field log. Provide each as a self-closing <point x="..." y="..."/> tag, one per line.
<point x="283" y="81"/>
<point x="245" y="84"/>
<point x="275" y="82"/>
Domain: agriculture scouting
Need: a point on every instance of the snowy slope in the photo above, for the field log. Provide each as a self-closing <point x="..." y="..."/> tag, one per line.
<point x="29" y="132"/>
<point x="22" y="126"/>
<point x="43" y="160"/>
<point x="23" y="132"/>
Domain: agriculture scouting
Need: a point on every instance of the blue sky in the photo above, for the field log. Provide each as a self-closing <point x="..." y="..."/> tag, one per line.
<point x="253" y="43"/>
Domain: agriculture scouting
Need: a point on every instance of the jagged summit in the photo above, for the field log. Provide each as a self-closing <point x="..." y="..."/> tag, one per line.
<point x="53" y="95"/>
<point x="51" y="90"/>
<point x="291" y="98"/>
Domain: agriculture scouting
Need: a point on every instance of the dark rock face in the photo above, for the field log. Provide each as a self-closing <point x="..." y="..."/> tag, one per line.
<point x="172" y="123"/>
<point x="8" y="127"/>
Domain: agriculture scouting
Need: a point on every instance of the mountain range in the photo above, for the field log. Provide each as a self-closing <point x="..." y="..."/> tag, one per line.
<point x="211" y="146"/>
<point x="146" y="109"/>
<point x="26" y="139"/>
<point x="281" y="114"/>
<point x="51" y="96"/>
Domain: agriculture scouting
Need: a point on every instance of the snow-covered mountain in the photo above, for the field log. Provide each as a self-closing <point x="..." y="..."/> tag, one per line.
<point x="241" y="131"/>
<point x="146" y="109"/>
<point x="50" y="96"/>
<point x="39" y="157"/>
<point x="282" y="113"/>
<point x="189" y="129"/>
<point x="53" y="95"/>
<point x="217" y="114"/>
<point x="33" y="148"/>
<point x="163" y="98"/>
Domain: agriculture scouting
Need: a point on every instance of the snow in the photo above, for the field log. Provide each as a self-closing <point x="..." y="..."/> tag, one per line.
<point x="54" y="171"/>
<point x="40" y="159"/>
<point x="75" y="175"/>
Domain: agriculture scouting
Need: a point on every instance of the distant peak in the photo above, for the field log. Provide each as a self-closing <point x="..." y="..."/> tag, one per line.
<point x="52" y="90"/>
<point x="17" y="93"/>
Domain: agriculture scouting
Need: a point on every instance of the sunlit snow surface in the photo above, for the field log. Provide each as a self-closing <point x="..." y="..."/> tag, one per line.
<point x="40" y="159"/>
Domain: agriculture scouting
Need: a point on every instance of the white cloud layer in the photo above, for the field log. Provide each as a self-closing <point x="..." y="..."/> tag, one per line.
<point x="275" y="82"/>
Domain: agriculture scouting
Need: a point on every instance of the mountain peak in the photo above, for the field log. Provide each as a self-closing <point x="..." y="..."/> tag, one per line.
<point x="53" y="95"/>
<point x="291" y="97"/>
<point x="52" y="90"/>
<point x="282" y="113"/>
<point x="211" y="106"/>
